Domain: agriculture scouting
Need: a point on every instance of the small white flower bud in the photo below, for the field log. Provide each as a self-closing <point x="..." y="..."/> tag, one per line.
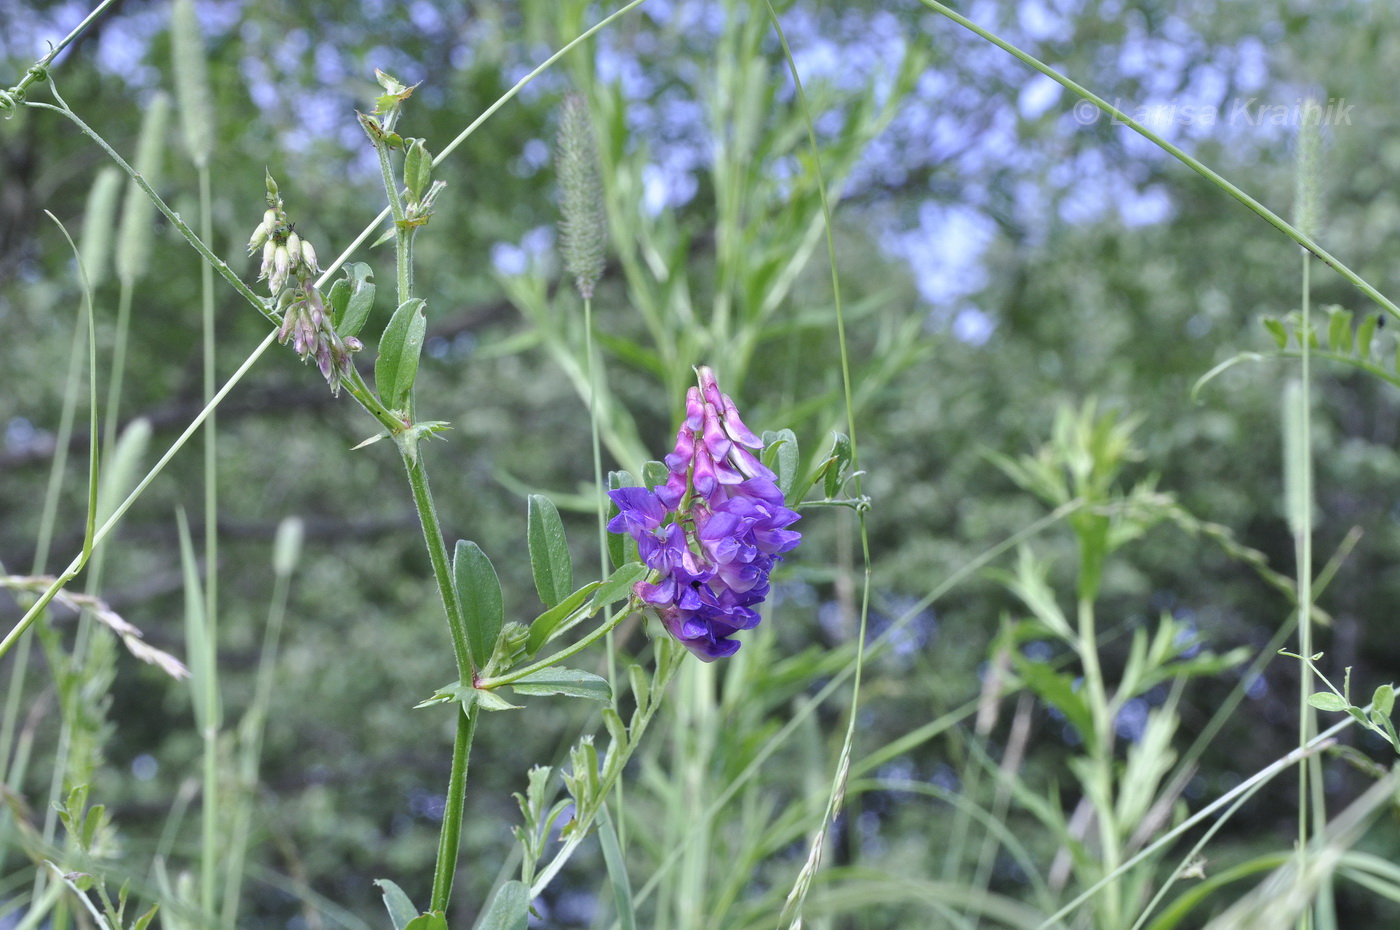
<point x="270" y="221"/>
<point x="293" y="250"/>
<point x="268" y="249"/>
<point x="258" y="238"/>
<point x="308" y="258"/>
<point x="281" y="265"/>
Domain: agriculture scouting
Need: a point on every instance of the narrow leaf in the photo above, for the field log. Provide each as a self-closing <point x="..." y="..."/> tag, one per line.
<point x="1339" y="337"/>
<point x="479" y="593"/>
<point x="617" y="871"/>
<point x="550" y="564"/>
<point x="401" y="909"/>
<point x="780" y="455"/>
<point x="619" y="584"/>
<point x="1277" y="330"/>
<point x="571" y="682"/>
<point x="1365" y="333"/>
<point x="399" y="350"/>
<point x="841" y="455"/>
<point x="510" y="909"/>
<point x="417" y="169"/>
<point x="542" y="629"/>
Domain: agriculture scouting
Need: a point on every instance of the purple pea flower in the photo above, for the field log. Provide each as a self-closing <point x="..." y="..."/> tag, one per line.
<point x="713" y="531"/>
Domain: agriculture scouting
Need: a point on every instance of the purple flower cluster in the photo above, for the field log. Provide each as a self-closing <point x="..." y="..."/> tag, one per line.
<point x="713" y="531"/>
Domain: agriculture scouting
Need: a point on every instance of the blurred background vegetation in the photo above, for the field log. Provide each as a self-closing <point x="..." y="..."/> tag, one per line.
<point x="999" y="260"/>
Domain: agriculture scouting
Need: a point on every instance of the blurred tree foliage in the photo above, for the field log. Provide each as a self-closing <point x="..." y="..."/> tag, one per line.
<point x="1098" y="267"/>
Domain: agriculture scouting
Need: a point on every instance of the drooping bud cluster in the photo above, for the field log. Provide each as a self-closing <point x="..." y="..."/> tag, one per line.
<point x="289" y="266"/>
<point x="713" y="532"/>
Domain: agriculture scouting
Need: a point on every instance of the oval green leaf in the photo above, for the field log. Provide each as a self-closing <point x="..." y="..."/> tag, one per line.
<point x="399" y="350"/>
<point x="550" y="564"/>
<point x="1326" y="700"/>
<point x="479" y="593"/>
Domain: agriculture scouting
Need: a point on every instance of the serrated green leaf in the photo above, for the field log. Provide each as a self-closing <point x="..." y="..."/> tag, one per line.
<point x="550" y="563"/>
<point x="433" y="920"/>
<point x="781" y="456"/>
<point x="571" y="682"/>
<point x="510" y="909"/>
<point x="1383" y="701"/>
<point x="543" y="627"/>
<point x="490" y="700"/>
<point x="1326" y="700"/>
<point x="1277" y="330"/>
<point x="401" y="909"/>
<point x="417" y="169"/>
<point x="616" y="864"/>
<point x="479" y="593"/>
<point x="619" y="585"/>
<point x="399" y="350"/>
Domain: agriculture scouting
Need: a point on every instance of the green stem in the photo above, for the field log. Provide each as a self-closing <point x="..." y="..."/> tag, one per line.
<point x="39" y="71"/>
<point x="1263" y="212"/>
<point x="449" y="842"/>
<point x="607" y="627"/>
<point x="437" y="553"/>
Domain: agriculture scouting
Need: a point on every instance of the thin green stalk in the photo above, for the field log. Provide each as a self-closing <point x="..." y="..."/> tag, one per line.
<point x="210" y="847"/>
<point x="1263" y="212"/>
<point x="450" y="840"/>
<point x="39" y="72"/>
<point x="1302" y="543"/>
<point x="792" y="911"/>
<point x="599" y="489"/>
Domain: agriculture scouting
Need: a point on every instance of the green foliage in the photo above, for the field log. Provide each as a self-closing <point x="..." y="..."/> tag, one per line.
<point x="400" y="348"/>
<point x="479" y="593"/>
